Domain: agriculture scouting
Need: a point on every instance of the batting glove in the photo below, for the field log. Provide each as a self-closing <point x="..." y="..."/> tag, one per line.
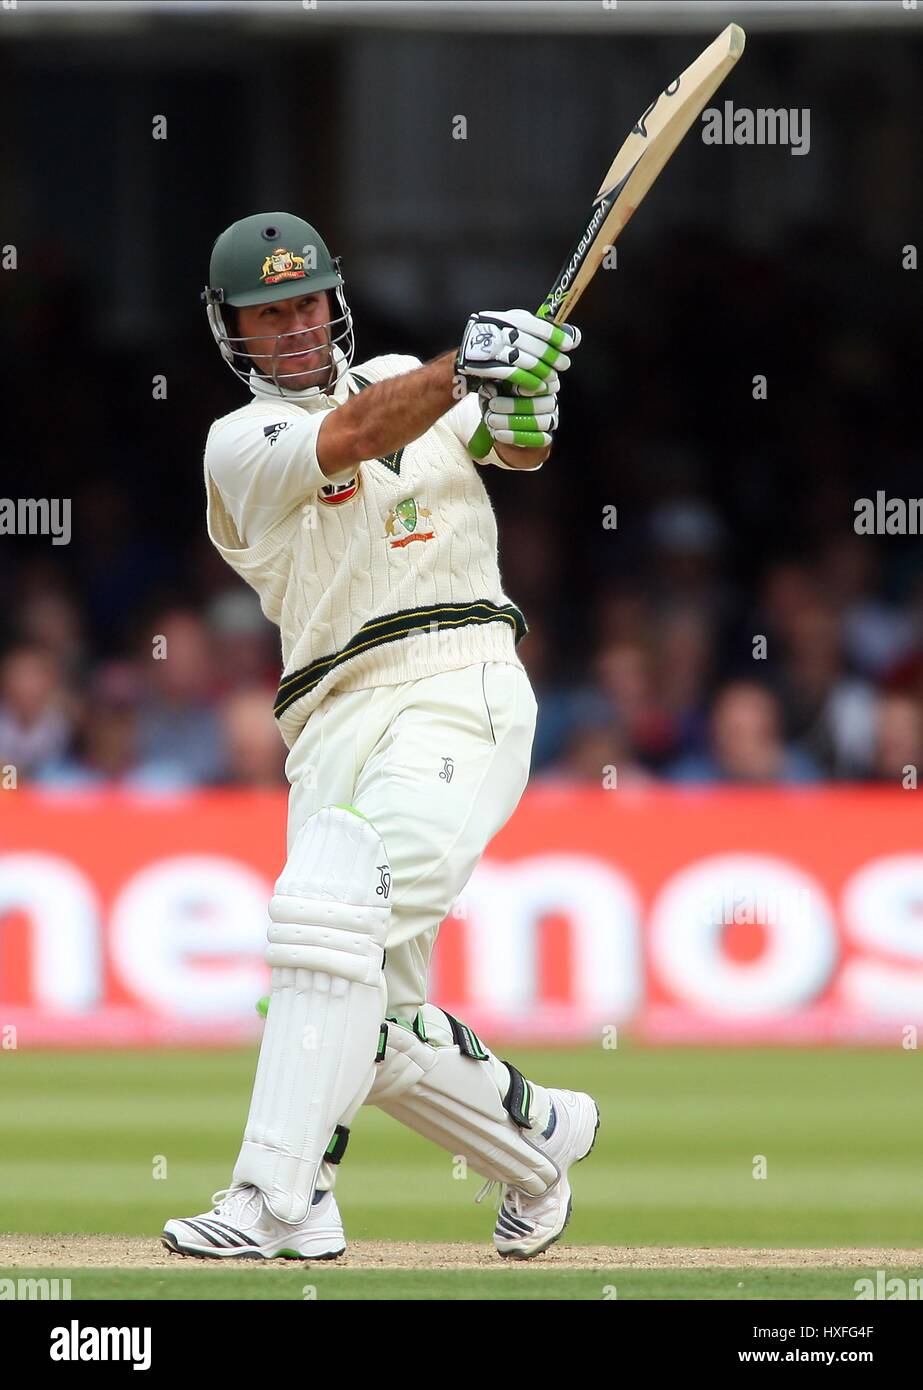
<point x="527" y="422"/>
<point x="515" y="347"/>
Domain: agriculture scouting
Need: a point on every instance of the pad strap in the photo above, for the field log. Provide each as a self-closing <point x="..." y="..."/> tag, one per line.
<point x="466" y="1040"/>
<point x="337" y="1146"/>
<point x="518" y="1098"/>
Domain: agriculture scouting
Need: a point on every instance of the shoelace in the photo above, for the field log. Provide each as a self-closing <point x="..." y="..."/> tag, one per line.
<point x="231" y="1203"/>
<point x="488" y="1188"/>
<point x="509" y="1197"/>
<point x="512" y="1201"/>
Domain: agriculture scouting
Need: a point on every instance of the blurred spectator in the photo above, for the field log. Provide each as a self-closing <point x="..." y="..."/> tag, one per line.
<point x="906" y="673"/>
<point x="178" y="722"/>
<point x="875" y="634"/>
<point x="625" y="675"/>
<point x="746" y="744"/>
<point x="899" y="740"/>
<point x="255" y="751"/>
<point x="107" y="749"/>
<point x="36" y="712"/>
<point x="118" y="567"/>
<point x="687" y="539"/>
<point x="596" y="755"/>
<point x="244" y="643"/>
<point x="50" y="618"/>
<point x="559" y="705"/>
<point x="623" y="613"/>
<point x="684" y="660"/>
<point x="830" y="714"/>
<point x="787" y="587"/>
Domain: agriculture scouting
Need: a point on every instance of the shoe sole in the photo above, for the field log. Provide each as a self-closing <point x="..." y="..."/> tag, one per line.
<point x="170" y="1243"/>
<point x="530" y="1255"/>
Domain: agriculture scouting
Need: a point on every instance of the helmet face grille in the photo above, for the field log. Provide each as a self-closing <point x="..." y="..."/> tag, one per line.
<point x="235" y="350"/>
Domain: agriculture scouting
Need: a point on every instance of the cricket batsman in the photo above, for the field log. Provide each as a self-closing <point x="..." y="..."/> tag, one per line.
<point x="349" y="500"/>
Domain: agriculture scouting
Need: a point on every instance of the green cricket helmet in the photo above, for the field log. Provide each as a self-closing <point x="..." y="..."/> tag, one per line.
<point x="267" y="257"/>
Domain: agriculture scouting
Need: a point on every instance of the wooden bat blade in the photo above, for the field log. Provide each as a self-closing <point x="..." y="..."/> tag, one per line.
<point x="653" y="139"/>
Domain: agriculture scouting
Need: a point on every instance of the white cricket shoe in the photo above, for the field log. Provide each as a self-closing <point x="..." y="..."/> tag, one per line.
<point x="527" y="1225"/>
<point x="241" y="1227"/>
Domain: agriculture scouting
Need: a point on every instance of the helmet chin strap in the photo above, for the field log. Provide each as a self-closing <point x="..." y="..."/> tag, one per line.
<point x="318" y="386"/>
<point x="339" y="365"/>
<point x="233" y="348"/>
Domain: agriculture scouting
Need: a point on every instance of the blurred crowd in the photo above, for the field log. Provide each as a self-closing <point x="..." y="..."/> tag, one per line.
<point x="726" y="624"/>
<point x="812" y="677"/>
<point x="189" y="706"/>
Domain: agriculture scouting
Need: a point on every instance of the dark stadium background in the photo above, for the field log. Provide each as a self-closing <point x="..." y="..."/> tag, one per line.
<point x="735" y="515"/>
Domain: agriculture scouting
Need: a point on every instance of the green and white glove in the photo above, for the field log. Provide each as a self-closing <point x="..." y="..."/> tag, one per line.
<point x="527" y="422"/>
<point x="515" y="347"/>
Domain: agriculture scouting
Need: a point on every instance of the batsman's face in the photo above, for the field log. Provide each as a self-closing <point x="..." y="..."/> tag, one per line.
<point x="299" y="360"/>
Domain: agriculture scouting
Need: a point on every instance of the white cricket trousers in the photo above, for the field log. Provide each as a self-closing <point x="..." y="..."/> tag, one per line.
<point x="437" y="765"/>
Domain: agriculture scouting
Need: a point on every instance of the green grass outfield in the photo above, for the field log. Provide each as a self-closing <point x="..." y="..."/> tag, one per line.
<point x="82" y="1136"/>
<point x="514" y="1283"/>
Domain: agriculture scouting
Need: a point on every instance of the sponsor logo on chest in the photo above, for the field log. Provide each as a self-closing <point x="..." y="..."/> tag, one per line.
<point x="335" y="493"/>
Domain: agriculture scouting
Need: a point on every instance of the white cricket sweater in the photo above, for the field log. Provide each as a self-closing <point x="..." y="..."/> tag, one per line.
<point x="382" y="577"/>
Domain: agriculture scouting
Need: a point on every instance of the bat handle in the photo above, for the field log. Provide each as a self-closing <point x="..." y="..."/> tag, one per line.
<point x="479" y="445"/>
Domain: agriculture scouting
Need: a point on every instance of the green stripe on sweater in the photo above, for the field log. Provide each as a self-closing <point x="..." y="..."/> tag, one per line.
<point x="393" y="628"/>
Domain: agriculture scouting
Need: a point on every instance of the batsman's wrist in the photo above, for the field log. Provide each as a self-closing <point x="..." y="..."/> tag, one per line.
<point x="526" y="459"/>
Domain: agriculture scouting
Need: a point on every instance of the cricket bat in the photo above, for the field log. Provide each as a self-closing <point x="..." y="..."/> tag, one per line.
<point x="652" y="140"/>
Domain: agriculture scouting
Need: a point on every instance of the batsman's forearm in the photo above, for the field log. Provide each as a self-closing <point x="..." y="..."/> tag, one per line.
<point x="387" y="415"/>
